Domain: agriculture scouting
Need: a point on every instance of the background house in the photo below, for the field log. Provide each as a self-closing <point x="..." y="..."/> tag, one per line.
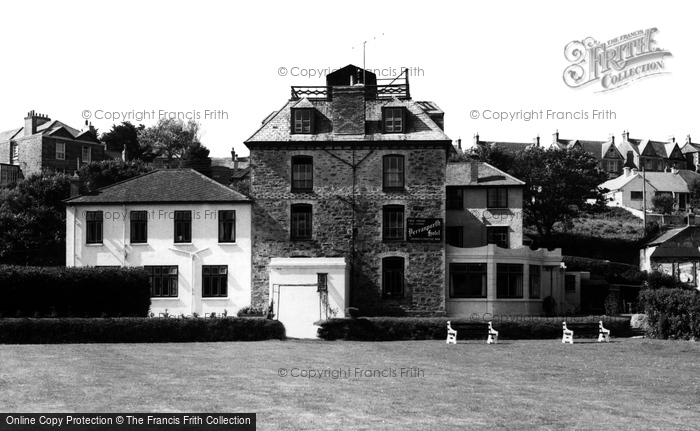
<point x="675" y="252"/>
<point x="606" y="153"/>
<point x="43" y="143"/>
<point x="190" y="233"/>
<point x="628" y="190"/>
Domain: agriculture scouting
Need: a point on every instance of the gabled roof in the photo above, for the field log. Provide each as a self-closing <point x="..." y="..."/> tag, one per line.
<point x="690" y="147"/>
<point x="162" y="186"/>
<point x="618" y="183"/>
<point x="508" y="147"/>
<point x="460" y="174"/>
<point x="679" y="242"/>
<point x="9" y="134"/>
<point x="659" y="181"/>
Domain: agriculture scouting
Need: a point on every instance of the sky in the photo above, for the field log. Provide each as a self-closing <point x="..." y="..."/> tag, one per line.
<point x="220" y="62"/>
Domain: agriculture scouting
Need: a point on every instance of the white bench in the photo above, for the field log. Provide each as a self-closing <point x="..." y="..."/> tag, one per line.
<point x="472" y="328"/>
<point x="585" y="328"/>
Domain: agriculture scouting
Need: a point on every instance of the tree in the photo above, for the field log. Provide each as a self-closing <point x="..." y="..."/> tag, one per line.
<point x="494" y="156"/>
<point x="125" y="135"/>
<point x="197" y="157"/>
<point x="96" y="175"/>
<point x="663" y="203"/>
<point x="33" y="220"/>
<point x="558" y="184"/>
<point x="170" y="139"/>
<point x="694" y="189"/>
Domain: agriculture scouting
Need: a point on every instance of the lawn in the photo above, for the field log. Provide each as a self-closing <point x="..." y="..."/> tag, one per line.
<point x="627" y="383"/>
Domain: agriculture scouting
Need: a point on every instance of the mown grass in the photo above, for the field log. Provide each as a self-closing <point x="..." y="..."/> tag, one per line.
<point x="532" y="384"/>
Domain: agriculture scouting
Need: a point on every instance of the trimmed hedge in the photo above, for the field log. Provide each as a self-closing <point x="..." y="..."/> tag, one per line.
<point x="671" y="313"/>
<point x="435" y="328"/>
<point x="27" y="291"/>
<point x="137" y="330"/>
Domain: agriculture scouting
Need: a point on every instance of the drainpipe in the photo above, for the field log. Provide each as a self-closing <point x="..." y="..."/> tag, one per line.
<point x="124" y="253"/>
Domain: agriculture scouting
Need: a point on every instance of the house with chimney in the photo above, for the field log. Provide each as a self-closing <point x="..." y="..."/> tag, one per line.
<point x="512" y="148"/>
<point x="42" y="143"/>
<point x="632" y="188"/>
<point x="191" y="234"/>
<point x="609" y="157"/>
<point x="649" y="155"/>
<point x="489" y="270"/>
<point x="691" y="152"/>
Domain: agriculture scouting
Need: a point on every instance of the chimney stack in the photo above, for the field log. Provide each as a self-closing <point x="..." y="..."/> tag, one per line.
<point x="476" y="139"/>
<point x="612" y="138"/>
<point x="234" y="157"/>
<point x="555" y="137"/>
<point x="536" y="141"/>
<point x="74" y="185"/>
<point x="459" y="143"/>
<point x="474" y="170"/>
<point x="687" y="139"/>
<point x="625" y="135"/>
<point x="627" y="171"/>
<point x="32" y="121"/>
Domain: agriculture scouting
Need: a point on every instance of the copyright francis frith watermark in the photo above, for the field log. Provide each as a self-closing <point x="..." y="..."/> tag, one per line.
<point x="615" y="63"/>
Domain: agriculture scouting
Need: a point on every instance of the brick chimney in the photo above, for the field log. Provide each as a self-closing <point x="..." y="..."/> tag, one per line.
<point x="234" y="157"/>
<point x="474" y="170"/>
<point x="348" y="110"/>
<point x="476" y="139"/>
<point x="74" y="185"/>
<point x="687" y="139"/>
<point x="555" y="137"/>
<point x="625" y="136"/>
<point x="536" y="141"/>
<point x="32" y="121"/>
<point x="627" y="171"/>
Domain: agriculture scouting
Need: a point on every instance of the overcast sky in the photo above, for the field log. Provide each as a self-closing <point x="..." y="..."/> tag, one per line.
<point x="65" y="58"/>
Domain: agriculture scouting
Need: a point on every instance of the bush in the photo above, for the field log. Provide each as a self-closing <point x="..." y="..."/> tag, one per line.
<point x="612" y="307"/>
<point x="672" y="313"/>
<point x="73" y="292"/>
<point x="137" y="330"/>
<point x="250" y="311"/>
<point x="435" y="328"/>
<point x="663" y="204"/>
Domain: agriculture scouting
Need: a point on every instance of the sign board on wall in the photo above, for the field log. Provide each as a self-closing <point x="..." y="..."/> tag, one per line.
<point x="424" y="229"/>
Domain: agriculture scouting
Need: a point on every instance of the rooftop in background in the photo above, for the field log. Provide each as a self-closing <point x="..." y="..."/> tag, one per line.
<point x="162" y="186"/>
<point x="462" y="174"/>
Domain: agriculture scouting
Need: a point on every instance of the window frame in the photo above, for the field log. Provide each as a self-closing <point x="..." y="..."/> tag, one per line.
<point x="569" y="283"/>
<point x="388" y="172"/>
<point x="493" y="231"/>
<point x="454" y="232"/>
<point x="509" y="281"/>
<point x="302" y="126"/>
<point x="639" y="195"/>
<point x="182" y="219"/>
<point x="535" y="281"/>
<point x="391" y="122"/>
<point x="393" y="277"/>
<point x="305" y="184"/>
<point x="173" y="275"/>
<point x="87" y="159"/>
<point x="14" y="153"/>
<point x="227" y="217"/>
<point x="94" y="227"/>
<point x="470" y="271"/>
<point x="393" y="230"/>
<point x="61" y="155"/>
<point x="296" y="231"/>
<point x="208" y="277"/>
<point x="138" y="218"/>
<point x="454" y="201"/>
<point x="497" y="203"/>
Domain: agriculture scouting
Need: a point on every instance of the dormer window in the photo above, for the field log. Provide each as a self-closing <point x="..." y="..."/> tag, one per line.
<point x="394" y="120"/>
<point x="302" y="121"/>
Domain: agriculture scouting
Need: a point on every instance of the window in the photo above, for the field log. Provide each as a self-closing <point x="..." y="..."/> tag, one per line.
<point x="301" y="222"/>
<point x="163" y="280"/>
<point x="454" y="236"/>
<point x="214" y="281"/>
<point x="392" y="276"/>
<point x="94" y="227"/>
<point x="61" y="150"/>
<point x="302" y="121"/>
<point x="649" y="164"/>
<point x="183" y="226"/>
<point x="393" y="172"/>
<point x="87" y="155"/>
<point x="468" y="280"/>
<point x="14" y="153"/>
<point x="570" y="283"/>
<point x="302" y="173"/>
<point x="509" y="280"/>
<point x="393" y="223"/>
<point x="535" y="278"/>
<point x="498" y="236"/>
<point x="497" y="197"/>
<point x="139" y="227"/>
<point x="227" y="226"/>
<point x="637" y="196"/>
<point x="394" y="120"/>
<point x="455" y="198"/>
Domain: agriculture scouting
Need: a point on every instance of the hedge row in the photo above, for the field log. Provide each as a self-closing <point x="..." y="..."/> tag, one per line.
<point x="672" y="313"/>
<point x="137" y="330"/>
<point x="421" y="328"/>
<point x="27" y="291"/>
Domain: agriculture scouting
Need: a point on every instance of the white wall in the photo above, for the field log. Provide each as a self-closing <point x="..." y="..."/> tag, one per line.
<point x="160" y="249"/>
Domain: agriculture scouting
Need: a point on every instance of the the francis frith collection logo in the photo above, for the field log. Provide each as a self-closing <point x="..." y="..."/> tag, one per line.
<point x="615" y="63"/>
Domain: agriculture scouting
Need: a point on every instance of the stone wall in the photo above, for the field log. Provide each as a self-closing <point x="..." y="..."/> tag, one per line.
<point x="347" y="224"/>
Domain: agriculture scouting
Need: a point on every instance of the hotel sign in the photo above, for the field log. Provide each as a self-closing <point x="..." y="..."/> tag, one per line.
<point x="424" y="229"/>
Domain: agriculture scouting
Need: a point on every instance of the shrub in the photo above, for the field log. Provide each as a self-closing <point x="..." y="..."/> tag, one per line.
<point x="435" y="328"/>
<point x="250" y="311"/>
<point x="73" y="292"/>
<point x="663" y="204"/>
<point x="137" y="330"/>
<point x="612" y="307"/>
<point x="672" y="313"/>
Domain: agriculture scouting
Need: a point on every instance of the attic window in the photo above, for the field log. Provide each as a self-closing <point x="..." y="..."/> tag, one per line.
<point x="394" y="120"/>
<point x="302" y="121"/>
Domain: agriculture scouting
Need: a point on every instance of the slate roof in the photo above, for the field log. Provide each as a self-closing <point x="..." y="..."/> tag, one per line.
<point x="661" y="181"/>
<point x="669" y="234"/>
<point x="690" y="147"/>
<point x="228" y="163"/>
<point x="49" y="128"/>
<point x="508" y="147"/>
<point x="420" y="127"/>
<point x="9" y="134"/>
<point x="460" y="174"/>
<point x="162" y="186"/>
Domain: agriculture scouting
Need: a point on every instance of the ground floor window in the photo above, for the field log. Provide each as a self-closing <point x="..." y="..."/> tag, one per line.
<point x="214" y="281"/>
<point x="509" y="280"/>
<point x="454" y="236"/>
<point x="468" y="280"/>
<point x="392" y="276"/>
<point x="535" y="277"/>
<point x="163" y="280"/>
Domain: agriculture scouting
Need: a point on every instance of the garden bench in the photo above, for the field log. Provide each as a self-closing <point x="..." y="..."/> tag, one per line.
<point x="585" y="329"/>
<point x="472" y="328"/>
